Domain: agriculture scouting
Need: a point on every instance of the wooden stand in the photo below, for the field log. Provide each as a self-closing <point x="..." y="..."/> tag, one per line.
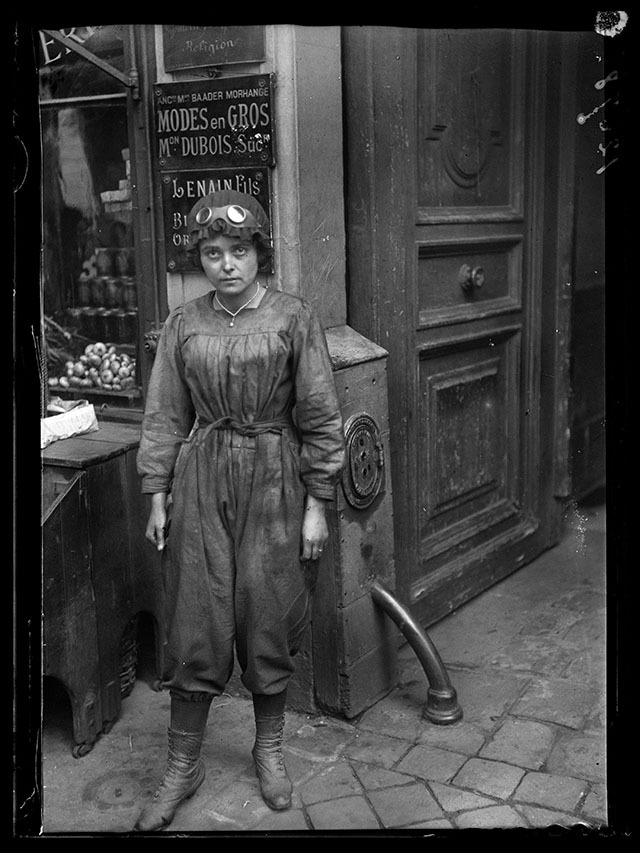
<point x="99" y="572"/>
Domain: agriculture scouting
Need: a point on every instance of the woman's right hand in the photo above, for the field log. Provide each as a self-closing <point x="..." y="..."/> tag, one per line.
<point x="157" y="523"/>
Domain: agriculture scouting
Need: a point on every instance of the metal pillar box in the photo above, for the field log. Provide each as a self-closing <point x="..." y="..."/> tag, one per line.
<point x="350" y="658"/>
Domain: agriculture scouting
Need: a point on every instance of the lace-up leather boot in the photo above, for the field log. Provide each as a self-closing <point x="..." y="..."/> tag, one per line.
<point x="275" y="784"/>
<point x="184" y="774"/>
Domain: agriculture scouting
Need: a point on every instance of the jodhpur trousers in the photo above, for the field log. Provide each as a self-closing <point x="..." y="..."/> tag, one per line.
<point x="231" y="567"/>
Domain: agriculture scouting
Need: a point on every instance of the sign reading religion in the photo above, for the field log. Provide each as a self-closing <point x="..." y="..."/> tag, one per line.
<point x="195" y="47"/>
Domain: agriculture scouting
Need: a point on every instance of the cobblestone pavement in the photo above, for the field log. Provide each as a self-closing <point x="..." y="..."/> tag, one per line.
<point x="527" y="659"/>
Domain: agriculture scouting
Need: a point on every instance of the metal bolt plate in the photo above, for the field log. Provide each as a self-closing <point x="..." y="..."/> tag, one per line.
<point x="363" y="476"/>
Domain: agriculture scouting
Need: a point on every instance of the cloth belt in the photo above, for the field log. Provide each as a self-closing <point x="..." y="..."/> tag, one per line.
<point x="278" y="425"/>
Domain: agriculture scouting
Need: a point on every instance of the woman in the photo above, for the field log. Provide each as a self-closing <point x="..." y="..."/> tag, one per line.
<point x="242" y="429"/>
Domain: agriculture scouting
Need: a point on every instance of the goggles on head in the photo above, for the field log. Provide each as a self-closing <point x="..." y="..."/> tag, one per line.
<point x="232" y="213"/>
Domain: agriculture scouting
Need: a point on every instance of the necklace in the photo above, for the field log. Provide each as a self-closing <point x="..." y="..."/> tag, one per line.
<point x="234" y="314"/>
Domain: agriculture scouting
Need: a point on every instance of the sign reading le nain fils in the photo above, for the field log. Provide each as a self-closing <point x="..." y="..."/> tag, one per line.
<point x="181" y="190"/>
<point x="215" y="124"/>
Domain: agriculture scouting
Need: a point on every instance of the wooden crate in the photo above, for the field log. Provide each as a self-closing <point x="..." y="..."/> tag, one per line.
<point x="99" y="572"/>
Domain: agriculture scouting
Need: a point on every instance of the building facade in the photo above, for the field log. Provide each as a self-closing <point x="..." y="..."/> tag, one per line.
<point x="437" y="195"/>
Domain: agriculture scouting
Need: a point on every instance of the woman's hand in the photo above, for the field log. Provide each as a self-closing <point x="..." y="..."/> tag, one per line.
<point x="157" y="523"/>
<point x="315" y="532"/>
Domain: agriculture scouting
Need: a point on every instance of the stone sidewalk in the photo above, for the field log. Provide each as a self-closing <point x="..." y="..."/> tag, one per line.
<point x="527" y="659"/>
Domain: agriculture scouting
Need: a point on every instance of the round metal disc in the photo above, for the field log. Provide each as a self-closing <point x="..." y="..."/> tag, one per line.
<point x="203" y="216"/>
<point x="236" y="214"/>
<point x="362" y="478"/>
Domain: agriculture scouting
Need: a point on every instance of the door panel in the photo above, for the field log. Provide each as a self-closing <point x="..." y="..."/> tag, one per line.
<point x="467" y="444"/>
<point x="470" y="98"/>
<point x="468" y="278"/>
<point x="470" y="492"/>
<point x="445" y="136"/>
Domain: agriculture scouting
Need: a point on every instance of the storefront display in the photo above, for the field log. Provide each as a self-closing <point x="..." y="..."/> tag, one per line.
<point x="89" y="277"/>
<point x="100" y="366"/>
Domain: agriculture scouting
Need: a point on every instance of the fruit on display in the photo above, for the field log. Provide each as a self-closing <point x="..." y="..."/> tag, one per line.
<point x="101" y="366"/>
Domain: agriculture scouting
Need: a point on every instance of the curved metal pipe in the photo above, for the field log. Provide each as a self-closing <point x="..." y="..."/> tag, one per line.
<point x="442" y="707"/>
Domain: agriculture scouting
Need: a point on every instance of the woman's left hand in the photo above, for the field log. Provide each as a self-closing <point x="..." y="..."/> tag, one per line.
<point x="315" y="533"/>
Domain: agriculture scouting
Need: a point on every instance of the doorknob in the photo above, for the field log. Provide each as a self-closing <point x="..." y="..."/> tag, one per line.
<point x="470" y="278"/>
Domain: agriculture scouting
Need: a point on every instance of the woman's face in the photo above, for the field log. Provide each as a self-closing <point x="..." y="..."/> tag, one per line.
<point x="230" y="264"/>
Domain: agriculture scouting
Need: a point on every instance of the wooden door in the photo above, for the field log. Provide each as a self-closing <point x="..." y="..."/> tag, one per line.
<point x="445" y="169"/>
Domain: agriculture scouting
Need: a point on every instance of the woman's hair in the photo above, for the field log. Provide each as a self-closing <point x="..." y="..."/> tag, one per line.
<point x="234" y="215"/>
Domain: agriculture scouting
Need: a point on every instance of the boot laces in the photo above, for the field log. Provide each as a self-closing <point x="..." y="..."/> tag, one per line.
<point x="270" y="749"/>
<point x="176" y="768"/>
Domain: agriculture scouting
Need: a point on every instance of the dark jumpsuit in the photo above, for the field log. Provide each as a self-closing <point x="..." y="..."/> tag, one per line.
<point x="240" y="424"/>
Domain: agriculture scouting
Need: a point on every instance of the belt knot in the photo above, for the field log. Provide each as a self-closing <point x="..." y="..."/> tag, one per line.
<point x="277" y="425"/>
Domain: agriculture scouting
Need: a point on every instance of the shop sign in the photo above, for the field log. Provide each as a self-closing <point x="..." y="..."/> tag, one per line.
<point x="194" y="47"/>
<point x="50" y="51"/>
<point x="181" y="190"/>
<point x="215" y="123"/>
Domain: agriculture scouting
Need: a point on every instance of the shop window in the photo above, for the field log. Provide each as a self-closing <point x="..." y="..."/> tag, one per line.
<point x="89" y="277"/>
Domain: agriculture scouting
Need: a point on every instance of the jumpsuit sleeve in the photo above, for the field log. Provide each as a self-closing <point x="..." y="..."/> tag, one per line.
<point x="169" y="412"/>
<point x="318" y="416"/>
